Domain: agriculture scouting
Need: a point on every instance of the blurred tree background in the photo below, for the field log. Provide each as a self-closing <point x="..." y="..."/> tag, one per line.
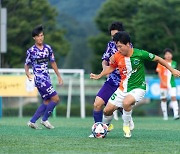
<point x="153" y="26"/>
<point x="78" y="29"/>
<point x="23" y="16"/>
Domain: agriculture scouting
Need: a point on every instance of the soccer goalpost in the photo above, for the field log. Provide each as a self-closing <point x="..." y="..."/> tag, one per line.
<point x="70" y="76"/>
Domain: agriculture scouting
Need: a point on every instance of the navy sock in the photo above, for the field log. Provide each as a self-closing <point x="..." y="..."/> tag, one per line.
<point x="49" y="110"/>
<point x="40" y="111"/>
<point x="98" y="115"/>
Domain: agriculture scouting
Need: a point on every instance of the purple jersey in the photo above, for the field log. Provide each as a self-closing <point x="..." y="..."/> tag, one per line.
<point x="39" y="60"/>
<point x="114" y="77"/>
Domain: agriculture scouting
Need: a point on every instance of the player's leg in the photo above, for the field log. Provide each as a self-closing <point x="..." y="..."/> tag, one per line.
<point x="54" y="99"/>
<point x="174" y="103"/>
<point x="163" y="96"/>
<point x="39" y="112"/>
<point x="101" y="99"/>
<point x="98" y="112"/>
<point x="134" y="96"/>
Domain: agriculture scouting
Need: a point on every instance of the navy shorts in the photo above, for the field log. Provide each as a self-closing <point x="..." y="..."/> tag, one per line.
<point x="106" y="91"/>
<point x="46" y="90"/>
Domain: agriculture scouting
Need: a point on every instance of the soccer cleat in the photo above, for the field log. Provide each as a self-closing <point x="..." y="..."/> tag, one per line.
<point x="177" y="117"/>
<point x="131" y="124"/>
<point x="127" y="132"/>
<point x="91" y="136"/>
<point x="47" y="124"/>
<point x="110" y="127"/>
<point x="32" y="125"/>
<point x="165" y="118"/>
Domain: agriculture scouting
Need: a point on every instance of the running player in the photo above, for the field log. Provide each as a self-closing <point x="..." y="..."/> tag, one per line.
<point x="38" y="57"/>
<point x="168" y="85"/>
<point x="132" y="87"/>
<point x="111" y="84"/>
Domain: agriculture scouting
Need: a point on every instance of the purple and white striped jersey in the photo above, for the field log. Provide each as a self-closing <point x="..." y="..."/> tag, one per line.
<point x="114" y="77"/>
<point x="39" y="59"/>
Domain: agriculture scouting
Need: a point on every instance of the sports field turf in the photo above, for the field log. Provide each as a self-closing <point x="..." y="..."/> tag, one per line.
<point x="151" y="135"/>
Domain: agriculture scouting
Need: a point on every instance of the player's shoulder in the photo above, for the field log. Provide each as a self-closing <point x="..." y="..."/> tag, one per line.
<point x="31" y="49"/>
<point x="47" y="46"/>
<point x="111" y="44"/>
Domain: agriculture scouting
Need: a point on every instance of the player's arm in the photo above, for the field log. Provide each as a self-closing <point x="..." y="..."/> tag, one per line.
<point x="55" y="68"/>
<point x="104" y="64"/>
<point x="107" y="70"/>
<point x="175" y="72"/>
<point x="28" y="74"/>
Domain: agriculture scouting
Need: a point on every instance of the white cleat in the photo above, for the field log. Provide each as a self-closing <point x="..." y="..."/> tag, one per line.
<point x="165" y="118"/>
<point x="32" y="125"/>
<point x="91" y="136"/>
<point x="47" y="124"/>
<point x="127" y="132"/>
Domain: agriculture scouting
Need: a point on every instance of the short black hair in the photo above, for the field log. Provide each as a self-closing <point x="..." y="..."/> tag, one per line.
<point x="122" y="37"/>
<point x="167" y="50"/>
<point x="116" y="26"/>
<point x="37" y="30"/>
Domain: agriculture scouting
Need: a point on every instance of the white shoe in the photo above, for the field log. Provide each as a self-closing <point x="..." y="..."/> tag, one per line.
<point x="131" y="124"/>
<point x="165" y="118"/>
<point x="127" y="132"/>
<point x="47" y="124"/>
<point x="91" y="136"/>
<point x="115" y="113"/>
<point x="176" y="117"/>
<point x="32" y="125"/>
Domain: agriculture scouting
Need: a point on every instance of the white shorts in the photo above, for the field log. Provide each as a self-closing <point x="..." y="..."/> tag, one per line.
<point x="168" y="91"/>
<point x="118" y="96"/>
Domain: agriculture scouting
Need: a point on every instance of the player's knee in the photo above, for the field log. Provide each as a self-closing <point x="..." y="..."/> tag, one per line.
<point x="107" y="112"/>
<point x="97" y="106"/>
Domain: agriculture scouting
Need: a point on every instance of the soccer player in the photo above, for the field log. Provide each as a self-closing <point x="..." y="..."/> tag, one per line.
<point x="112" y="82"/>
<point x="38" y="57"/>
<point x="132" y="87"/>
<point x="168" y="85"/>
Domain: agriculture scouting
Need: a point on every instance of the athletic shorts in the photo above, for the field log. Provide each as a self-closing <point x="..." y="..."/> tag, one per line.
<point x="106" y="91"/>
<point x="46" y="90"/>
<point x="164" y="92"/>
<point x="118" y="97"/>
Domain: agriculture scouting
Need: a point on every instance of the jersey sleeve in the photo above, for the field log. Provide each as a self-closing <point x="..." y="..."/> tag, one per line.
<point x="147" y="55"/>
<point x="109" y="50"/>
<point x="112" y="62"/>
<point x="51" y="55"/>
<point x="28" y="60"/>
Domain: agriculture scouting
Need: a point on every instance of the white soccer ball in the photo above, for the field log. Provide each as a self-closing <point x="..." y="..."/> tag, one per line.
<point x="99" y="130"/>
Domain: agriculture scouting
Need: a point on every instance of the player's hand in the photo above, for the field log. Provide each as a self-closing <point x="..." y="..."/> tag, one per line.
<point x="176" y="73"/>
<point x="30" y="77"/>
<point x="60" y="81"/>
<point x="94" y="76"/>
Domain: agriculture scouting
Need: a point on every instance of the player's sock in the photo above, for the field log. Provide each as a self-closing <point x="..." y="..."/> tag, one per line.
<point x="49" y="110"/>
<point x="126" y="117"/>
<point x="164" y="110"/>
<point x="97" y="115"/>
<point x="175" y="108"/>
<point x="107" y="119"/>
<point x="41" y="109"/>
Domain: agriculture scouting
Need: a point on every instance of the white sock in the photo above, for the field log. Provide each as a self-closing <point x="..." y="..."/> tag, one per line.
<point x="107" y="119"/>
<point x="126" y="117"/>
<point x="175" y="108"/>
<point x="164" y="109"/>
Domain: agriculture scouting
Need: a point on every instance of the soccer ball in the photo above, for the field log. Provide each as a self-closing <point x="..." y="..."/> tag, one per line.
<point x="99" y="130"/>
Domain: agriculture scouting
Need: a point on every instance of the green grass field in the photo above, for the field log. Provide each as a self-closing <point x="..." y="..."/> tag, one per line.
<point x="151" y="135"/>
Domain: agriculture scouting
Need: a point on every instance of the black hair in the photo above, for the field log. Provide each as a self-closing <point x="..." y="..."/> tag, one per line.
<point x="116" y="26"/>
<point x="168" y="50"/>
<point x="37" y="30"/>
<point x="122" y="37"/>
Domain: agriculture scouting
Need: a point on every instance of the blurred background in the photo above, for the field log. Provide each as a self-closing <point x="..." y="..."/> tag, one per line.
<point x="77" y="30"/>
